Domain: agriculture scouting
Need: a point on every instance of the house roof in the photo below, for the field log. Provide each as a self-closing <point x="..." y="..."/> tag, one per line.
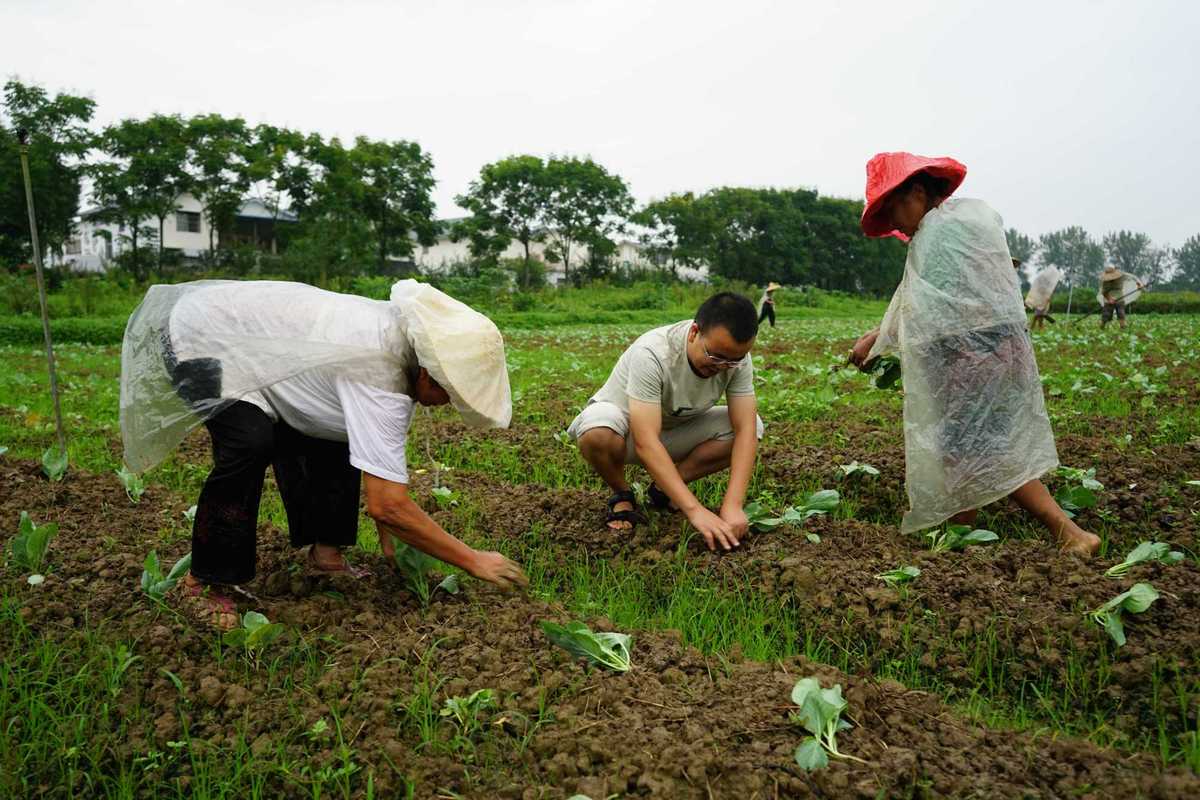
<point x="251" y="209"/>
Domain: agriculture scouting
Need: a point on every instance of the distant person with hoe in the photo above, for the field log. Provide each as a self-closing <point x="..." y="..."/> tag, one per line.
<point x="1116" y="287"/>
<point x="975" y="423"/>
<point x="1041" y="292"/>
<point x="659" y="409"/>
<point x="319" y="385"/>
<point x="766" y="304"/>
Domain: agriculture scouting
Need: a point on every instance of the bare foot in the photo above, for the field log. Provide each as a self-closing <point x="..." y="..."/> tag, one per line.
<point x="1074" y="539"/>
<point x="620" y="524"/>
<point x="206" y="605"/>
<point x="327" y="560"/>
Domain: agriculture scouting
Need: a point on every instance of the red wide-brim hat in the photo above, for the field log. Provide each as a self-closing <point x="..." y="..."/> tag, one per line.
<point x="886" y="171"/>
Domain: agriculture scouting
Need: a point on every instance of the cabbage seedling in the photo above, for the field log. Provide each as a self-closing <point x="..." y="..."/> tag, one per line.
<point x="821" y="715"/>
<point x="957" y="537"/>
<point x="154" y="583"/>
<point x="413" y="566"/>
<point x="821" y="502"/>
<point x="886" y="370"/>
<point x="855" y="468"/>
<point x="1135" y="601"/>
<point x="135" y="487"/>
<point x="1146" y="551"/>
<point x="609" y="650"/>
<point x="28" y="548"/>
<point x="444" y="496"/>
<point x="464" y="711"/>
<point x="255" y="633"/>
<point x="1081" y="495"/>
<point x="895" y="577"/>
<point x="54" y="463"/>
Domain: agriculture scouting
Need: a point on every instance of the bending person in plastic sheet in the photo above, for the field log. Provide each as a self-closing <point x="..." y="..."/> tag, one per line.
<point x="659" y="409"/>
<point x="975" y="423"/>
<point x="1117" y="289"/>
<point x="319" y="385"/>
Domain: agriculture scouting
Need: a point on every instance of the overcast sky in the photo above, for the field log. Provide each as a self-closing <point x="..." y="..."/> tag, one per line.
<point x="1065" y="113"/>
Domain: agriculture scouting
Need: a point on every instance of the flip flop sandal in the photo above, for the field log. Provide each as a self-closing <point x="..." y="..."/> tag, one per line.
<point x="199" y="603"/>
<point x="346" y="568"/>
<point x="630" y="515"/>
<point x="658" y="499"/>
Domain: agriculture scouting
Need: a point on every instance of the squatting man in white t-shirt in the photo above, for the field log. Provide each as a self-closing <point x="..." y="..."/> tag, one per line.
<point x="659" y="409"/>
<point x="321" y="386"/>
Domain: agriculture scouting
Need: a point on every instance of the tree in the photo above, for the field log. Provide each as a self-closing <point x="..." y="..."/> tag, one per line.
<point x="1127" y="250"/>
<point x="1021" y="247"/>
<point x="506" y="203"/>
<point x="675" y="232"/>
<point x="584" y="205"/>
<point x="58" y="143"/>
<point x="396" y="194"/>
<point x="219" y="157"/>
<point x="1187" y="265"/>
<point x="1073" y="252"/>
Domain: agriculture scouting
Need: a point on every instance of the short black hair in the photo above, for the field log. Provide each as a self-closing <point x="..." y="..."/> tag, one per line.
<point x="731" y="311"/>
<point x="936" y="188"/>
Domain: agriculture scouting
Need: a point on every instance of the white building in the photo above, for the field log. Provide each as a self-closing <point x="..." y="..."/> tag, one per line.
<point x="186" y="231"/>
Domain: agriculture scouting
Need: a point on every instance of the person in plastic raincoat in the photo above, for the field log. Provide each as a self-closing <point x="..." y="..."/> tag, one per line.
<point x="975" y="423"/>
<point x="1117" y="289"/>
<point x="319" y="385"/>
<point x="1041" y="292"/>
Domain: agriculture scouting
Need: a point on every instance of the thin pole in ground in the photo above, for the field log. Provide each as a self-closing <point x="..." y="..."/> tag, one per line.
<point x="23" y="138"/>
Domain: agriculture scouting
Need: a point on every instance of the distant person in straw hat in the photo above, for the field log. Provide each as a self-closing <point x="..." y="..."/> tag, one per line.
<point x="766" y="304"/>
<point x="1115" y="286"/>
<point x="320" y="385"/>
<point x="975" y="423"/>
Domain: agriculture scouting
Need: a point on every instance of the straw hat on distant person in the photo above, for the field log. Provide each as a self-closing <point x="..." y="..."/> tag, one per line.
<point x="462" y="350"/>
<point x="772" y="286"/>
<point x="1110" y="274"/>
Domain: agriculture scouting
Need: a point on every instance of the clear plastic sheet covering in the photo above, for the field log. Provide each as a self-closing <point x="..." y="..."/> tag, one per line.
<point x="1129" y="289"/>
<point x="975" y="423"/>
<point x="191" y="349"/>
<point x="1042" y="287"/>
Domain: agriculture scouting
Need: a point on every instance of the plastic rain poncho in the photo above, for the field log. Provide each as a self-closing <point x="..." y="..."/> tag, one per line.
<point x="1042" y="287"/>
<point x="1130" y="289"/>
<point x="975" y="423"/>
<point x="192" y="349"/>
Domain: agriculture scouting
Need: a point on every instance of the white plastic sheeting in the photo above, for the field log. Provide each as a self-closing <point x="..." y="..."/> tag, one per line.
<point x="975" y="423"/>
<point x="1042" y="287"/>
<point x="1129" y="289"/>
<point x="191" y="349"/>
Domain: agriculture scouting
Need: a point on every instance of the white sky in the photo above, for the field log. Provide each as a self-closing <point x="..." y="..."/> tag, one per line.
<point x="1065" y="113"/>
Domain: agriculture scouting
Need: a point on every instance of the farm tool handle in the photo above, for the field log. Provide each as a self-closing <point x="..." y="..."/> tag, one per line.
<point x="1141" y="288"/>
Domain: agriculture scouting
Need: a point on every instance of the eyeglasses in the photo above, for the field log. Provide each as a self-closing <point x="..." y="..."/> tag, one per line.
<point x="721" y="363"/>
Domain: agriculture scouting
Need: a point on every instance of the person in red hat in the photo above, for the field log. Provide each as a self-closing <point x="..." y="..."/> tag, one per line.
<point x="975" y="422"/>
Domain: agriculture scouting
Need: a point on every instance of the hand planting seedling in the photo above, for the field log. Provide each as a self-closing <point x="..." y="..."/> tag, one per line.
<point x="1108" y="616"/>
<point x="855" y="468"/>
<point x="886" y="370"/>
<point x="821" y="715"/>
<point x="254" y="635"/>
<point x="154" y="583"/>
<point x="1145" y="551"/>
<point x="444" y="496"/>
<point x="957" y="537"/>
<point x="413" y="566"/>
<point x="54" y="463"/>
<point x="900" y="575"/>
<point x="821" y="502"/>
<point x="610" y="650"/>
<point x="135" y="487"/>
<point x="464" y="711"/>
<point x="28" y="548"/>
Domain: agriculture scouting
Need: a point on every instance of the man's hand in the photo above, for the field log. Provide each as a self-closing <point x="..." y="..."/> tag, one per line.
<point x="736" y="518"/>
<point x="862" y="348"/>
<point x="495" y="568"/>
<point x="715" y="530"/>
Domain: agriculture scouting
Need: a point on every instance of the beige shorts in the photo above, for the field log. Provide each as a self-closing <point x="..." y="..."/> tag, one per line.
<point x="679" y="441"/>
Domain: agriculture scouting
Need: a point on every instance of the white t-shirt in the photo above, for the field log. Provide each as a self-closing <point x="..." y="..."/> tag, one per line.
<point x="321" y="402"/>
<point x="655" y="369"/>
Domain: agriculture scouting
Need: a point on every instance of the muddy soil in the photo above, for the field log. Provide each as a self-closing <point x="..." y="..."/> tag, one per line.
<point x="679" y="725"/>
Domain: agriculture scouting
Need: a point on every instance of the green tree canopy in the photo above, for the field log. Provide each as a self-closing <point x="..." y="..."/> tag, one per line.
<point x="506" y="203"/>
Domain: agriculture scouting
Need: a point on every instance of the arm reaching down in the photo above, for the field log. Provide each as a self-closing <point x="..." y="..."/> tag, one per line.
<point x="397" y="515"/>
<point x="743" y="416"/>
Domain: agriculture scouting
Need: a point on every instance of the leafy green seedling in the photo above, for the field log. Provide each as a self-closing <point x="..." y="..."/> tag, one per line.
<point x="28" y="547"/>
<point x="1080" y="492"/>
<point x="900" y="575"/>
<point x="135" y="487"/>
<point x="957" y="537"/>
<point x="254" y="635"/>
<point x="154" y="583"/>
<point x="1145" y="551"/>
<point x="444" y="496"/>
<point x="855" y="468"/>
<point x="1135" y="601"/>
<point x="821" y="715"/>
<point x="413" y="566"/>
<point x="821" y="502"/>
<point x="3" y="450"/>
<point x="54" y="463"/>
<point x="609" y="650"/>
<point x="190" y="514"/>
<point x="464" y="711"/>
<point x="886" y="370"/>
<point x="564" y="438"/>
<point x="1084" y="477"/>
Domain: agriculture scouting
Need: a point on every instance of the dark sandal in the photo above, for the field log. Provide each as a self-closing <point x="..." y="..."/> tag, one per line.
<point x="658" y="499"/>
<point x="630" y="515"/>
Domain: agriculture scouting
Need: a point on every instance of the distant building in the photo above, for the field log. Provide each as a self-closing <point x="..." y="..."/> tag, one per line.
<point x="97" y="242"/>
